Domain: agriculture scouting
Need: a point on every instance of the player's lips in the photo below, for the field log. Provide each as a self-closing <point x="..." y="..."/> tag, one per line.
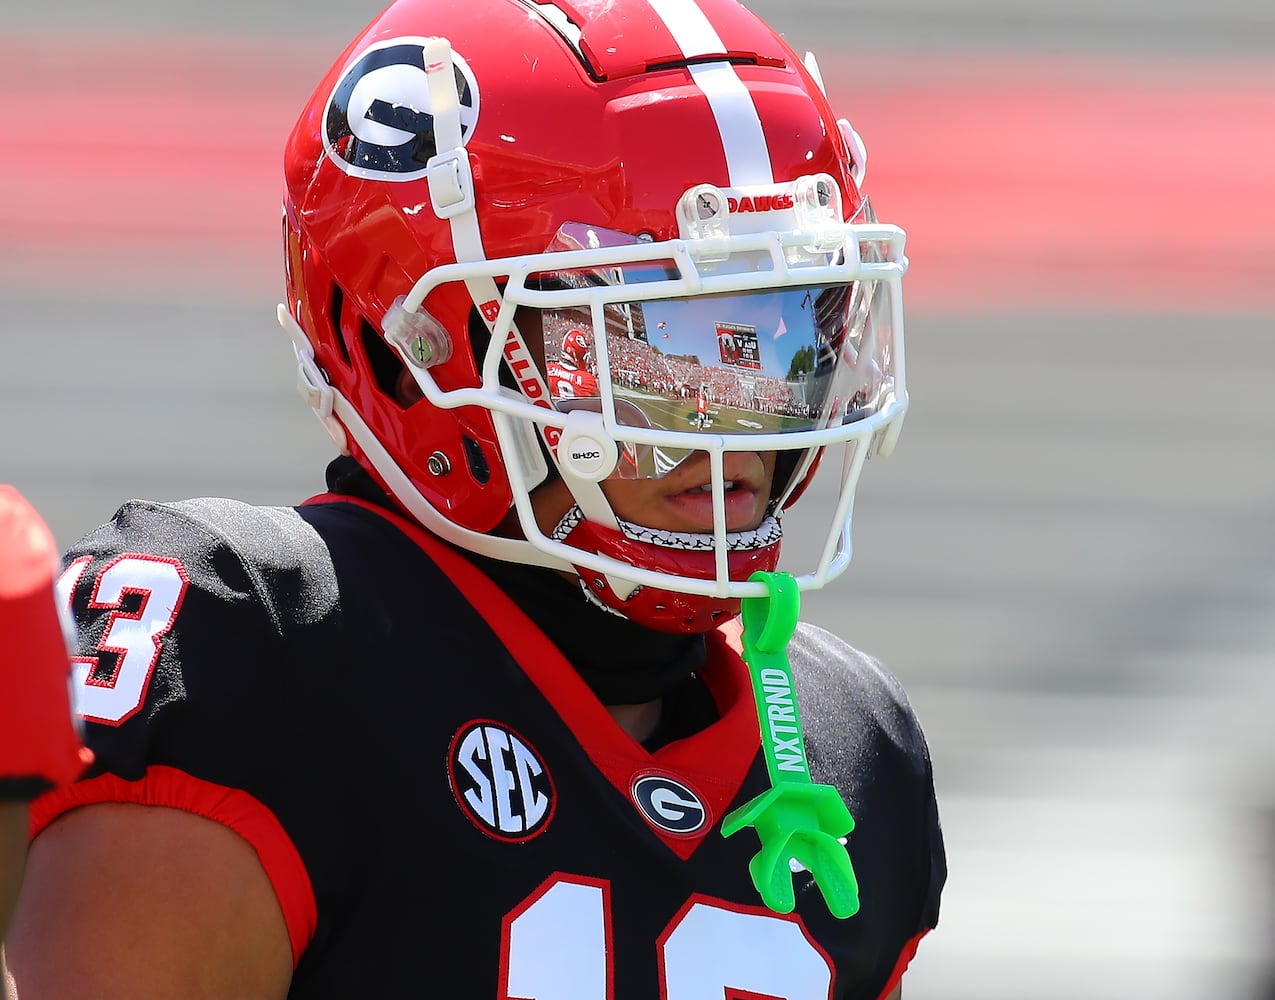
<point x="694" y="508"/>
<point x="690" y="493"/>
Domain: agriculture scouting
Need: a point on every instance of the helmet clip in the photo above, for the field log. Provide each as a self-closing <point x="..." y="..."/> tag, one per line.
<point x="703" y="215"/>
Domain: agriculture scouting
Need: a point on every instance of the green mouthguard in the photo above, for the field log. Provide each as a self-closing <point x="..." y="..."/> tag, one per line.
<point x="796" y="820"/>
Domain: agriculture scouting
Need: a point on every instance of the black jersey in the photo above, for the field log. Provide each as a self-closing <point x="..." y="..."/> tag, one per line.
<point x="442" y="805"/>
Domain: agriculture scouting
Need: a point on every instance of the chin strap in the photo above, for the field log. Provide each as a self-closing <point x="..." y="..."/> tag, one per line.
<point x="798" y="822"/>
<point x="769" y="532"/>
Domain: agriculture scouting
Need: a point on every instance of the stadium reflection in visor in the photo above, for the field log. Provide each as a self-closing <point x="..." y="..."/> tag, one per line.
<point x="774" y="360"/>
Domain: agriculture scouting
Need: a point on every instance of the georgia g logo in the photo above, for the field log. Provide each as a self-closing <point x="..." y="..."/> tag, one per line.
<point x="669" y="805"/>
<point x="499" y="781"/>
<point x="379" y="124"/>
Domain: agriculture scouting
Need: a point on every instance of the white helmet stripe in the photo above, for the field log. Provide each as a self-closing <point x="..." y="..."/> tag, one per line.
<point x="747" y="155"/>
<point x="693" y="32"/>
<point x="743" y="140"/>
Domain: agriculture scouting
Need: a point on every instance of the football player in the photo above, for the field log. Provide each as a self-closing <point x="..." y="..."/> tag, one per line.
<point x="474" y="722"/>
<point x="569" y="376"/>
<point x="39" y="742"/>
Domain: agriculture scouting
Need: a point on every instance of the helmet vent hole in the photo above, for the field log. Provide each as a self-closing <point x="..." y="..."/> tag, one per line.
<point x="477" y="461"/>
<point x="338" y="303"/>
<point x="385" y="364"/>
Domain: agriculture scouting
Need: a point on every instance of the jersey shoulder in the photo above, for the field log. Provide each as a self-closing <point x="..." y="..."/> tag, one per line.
<point x="848" y="684"/>
<point x="863" y="736"/>
<point x="185" y="614"/>
<point x="224" y="547"/>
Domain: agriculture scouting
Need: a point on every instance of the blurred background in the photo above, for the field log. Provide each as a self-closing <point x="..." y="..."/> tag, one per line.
<point x="1069" y="561"/>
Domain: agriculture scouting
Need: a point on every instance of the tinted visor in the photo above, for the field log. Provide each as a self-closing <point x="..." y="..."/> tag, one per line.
<point x="772" y="360"/>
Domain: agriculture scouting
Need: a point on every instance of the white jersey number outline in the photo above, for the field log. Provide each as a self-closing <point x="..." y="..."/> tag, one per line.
<point x="134" y="637"/>
<point x="558" y="946"/>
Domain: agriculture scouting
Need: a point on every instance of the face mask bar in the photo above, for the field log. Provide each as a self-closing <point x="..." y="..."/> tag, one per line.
<point x="867" y="257"/>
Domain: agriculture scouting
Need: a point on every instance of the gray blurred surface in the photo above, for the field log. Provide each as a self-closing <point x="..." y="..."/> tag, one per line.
<point x="1070" y="560"/>
<point x="1221" y="28"/>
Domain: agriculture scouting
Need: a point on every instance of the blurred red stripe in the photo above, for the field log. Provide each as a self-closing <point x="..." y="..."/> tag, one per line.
<point x="147" y="165"/>
<point x="1067" y="183"/>
<point x="141" y="163"/>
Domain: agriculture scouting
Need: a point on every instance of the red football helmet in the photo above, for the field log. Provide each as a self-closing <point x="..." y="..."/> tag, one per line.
<point x="471" y="181"/>
<point x="575" y="348"/>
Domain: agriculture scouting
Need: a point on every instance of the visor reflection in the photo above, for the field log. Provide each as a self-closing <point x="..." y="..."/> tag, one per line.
<point x="775" y="360"/>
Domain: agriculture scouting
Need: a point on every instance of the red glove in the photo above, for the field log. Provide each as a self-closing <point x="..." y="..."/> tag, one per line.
<point x="39" y="742"/>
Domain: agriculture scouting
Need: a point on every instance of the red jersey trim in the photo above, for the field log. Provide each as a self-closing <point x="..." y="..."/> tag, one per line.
<point x="901" y="966"/>
<point x="231" y="807"/>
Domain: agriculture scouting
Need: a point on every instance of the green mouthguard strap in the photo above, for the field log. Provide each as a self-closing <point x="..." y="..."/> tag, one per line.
<point x="796" y="820"/>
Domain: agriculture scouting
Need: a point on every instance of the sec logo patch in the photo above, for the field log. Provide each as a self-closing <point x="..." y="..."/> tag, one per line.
<point x="669" y="805"/>
<point x="500" y="781"/>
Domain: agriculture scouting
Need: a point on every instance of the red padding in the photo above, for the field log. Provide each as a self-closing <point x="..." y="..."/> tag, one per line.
<point x="233" y="808"/>
<point x="38" y="738"/>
